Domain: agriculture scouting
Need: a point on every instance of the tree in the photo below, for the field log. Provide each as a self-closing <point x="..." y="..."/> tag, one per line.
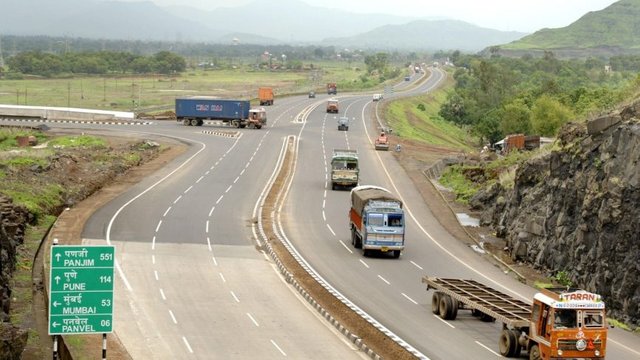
<point x="548" y="115"/>
<point x="515" y="118"/>
<point x="377" y="63"/>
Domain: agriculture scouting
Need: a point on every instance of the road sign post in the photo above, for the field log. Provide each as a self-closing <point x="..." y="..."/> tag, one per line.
<point x="81" y="289"/>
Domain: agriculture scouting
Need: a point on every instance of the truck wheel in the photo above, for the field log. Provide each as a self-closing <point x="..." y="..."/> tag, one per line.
<point x="194" y="122"/>
<point x="366" y="252"/>
<point x="435" y="302"/>
<point x="355" y="239"/>
<point x="446" y="306"/>
<point x="396" y="254"/>
<point x="200" y="122"/>
<point x="235" y="123"/>
<point x="534" y="353"/>
<point x="258" y="126"/>
<point x="508" y="343"/>
<point x="186" y="122"/>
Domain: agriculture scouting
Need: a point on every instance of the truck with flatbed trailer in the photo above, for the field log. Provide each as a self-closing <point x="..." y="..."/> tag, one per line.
<point x="377" y="220"/>
<point x="194" y="111"/>
<point x="344" y="168"/>
<point x="560" y="324"/>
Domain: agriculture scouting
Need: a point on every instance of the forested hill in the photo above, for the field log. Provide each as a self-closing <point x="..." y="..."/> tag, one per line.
<point x="613" y="30"/>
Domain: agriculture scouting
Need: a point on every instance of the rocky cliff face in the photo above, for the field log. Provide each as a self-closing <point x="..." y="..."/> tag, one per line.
<point x="13" y="221"/>
<point x="577" y="210"/>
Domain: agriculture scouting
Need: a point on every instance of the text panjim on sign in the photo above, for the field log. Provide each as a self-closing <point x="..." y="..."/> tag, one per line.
<point x="580" y="300"/>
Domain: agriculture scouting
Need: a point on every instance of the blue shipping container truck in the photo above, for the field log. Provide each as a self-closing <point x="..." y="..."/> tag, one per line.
<point x="194" y="111"/>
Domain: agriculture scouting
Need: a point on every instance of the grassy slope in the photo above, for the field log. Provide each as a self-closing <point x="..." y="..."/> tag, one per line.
<point x="408" y="121"/>
<point x="616" y="25"/>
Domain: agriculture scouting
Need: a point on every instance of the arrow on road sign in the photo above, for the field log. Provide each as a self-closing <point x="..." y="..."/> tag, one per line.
<point x="58" y="256"/>
<point x="57" y="280"/>
<point x="55" y="304"/>
<point x="55" y="324"/>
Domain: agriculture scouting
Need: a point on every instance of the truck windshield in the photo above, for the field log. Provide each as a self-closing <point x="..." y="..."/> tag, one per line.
<point x="593" y="319"/>
<point x="395" y="219"/>
<point x="564" y="319"/>
<point x="376" y="220"/>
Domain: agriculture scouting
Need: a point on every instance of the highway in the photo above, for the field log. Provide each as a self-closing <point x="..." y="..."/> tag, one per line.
<point x="194" y="281"/>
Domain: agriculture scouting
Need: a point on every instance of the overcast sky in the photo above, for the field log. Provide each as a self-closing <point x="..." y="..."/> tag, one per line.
<point x="508" y="15"/>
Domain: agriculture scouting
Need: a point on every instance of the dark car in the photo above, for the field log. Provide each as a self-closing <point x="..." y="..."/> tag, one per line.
<point x="312" y="94"/>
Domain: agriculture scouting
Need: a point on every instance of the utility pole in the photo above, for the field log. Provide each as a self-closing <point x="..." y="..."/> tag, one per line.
<point x="1" y="58"/>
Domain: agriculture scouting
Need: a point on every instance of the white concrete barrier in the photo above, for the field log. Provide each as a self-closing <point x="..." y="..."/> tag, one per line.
<point x="64" y="113"/>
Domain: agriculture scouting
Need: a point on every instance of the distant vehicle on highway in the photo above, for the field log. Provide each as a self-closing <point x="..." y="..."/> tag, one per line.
<point x="332" y="106"/>
<point x="312" y="94"/>
<point x="407" y="78"/>
<point x="377" y="97"/>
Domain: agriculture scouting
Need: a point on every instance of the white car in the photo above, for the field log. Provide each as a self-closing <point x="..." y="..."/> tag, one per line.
<point x="377" y="97"/>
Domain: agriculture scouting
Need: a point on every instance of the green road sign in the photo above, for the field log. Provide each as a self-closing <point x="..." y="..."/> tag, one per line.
<point x="81" y="289"/>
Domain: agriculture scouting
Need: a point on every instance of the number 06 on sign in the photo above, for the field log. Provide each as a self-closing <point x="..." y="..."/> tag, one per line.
<point x="81" y="289"/>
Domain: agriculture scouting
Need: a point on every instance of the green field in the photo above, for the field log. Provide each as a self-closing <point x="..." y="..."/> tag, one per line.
<point x="140" y="93"/>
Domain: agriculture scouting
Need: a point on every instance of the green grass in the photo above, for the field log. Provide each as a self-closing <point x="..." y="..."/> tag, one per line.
<point x="417" y="119"/>
<point x="37" y="200"/>
<point x="82" y="141"/>
<point x="453" y="178"/>
<point x="8" y="137"/>
<point x="139" y="92"/>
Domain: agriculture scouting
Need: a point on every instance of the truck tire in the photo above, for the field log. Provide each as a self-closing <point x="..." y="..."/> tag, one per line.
<point x="534" y="353"/>
<point x="435" y="302"/>
<point x="396" y="254"/>
<point x="235" y="123"/>
<point x="508" y="343"/>
<point x="258" y="126"/>
<point x="355" y="239"/>
<point x="200" y="122"/>
<point x="194" y="122"/>
<point x="446" y="307"/>
<point x="186" y="122"/>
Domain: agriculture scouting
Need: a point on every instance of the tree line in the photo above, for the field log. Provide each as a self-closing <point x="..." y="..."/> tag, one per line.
<point x="94" y="63"/>
<point x="497" y="96"/>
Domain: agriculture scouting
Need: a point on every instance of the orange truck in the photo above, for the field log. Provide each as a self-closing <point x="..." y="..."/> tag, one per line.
<point x="332" y="106"/>
<point x="561" y="323"/>
<point x="382" y="142"/>
<point x="265" y="94"/>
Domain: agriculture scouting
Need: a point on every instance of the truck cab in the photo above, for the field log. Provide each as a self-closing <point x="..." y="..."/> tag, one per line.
<point x="343" y="123"/>
<point x="257" y="118"/>
<point x="344" y="168"/>
<point x="568" y="325"/>
<point x="332" y="106"/>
